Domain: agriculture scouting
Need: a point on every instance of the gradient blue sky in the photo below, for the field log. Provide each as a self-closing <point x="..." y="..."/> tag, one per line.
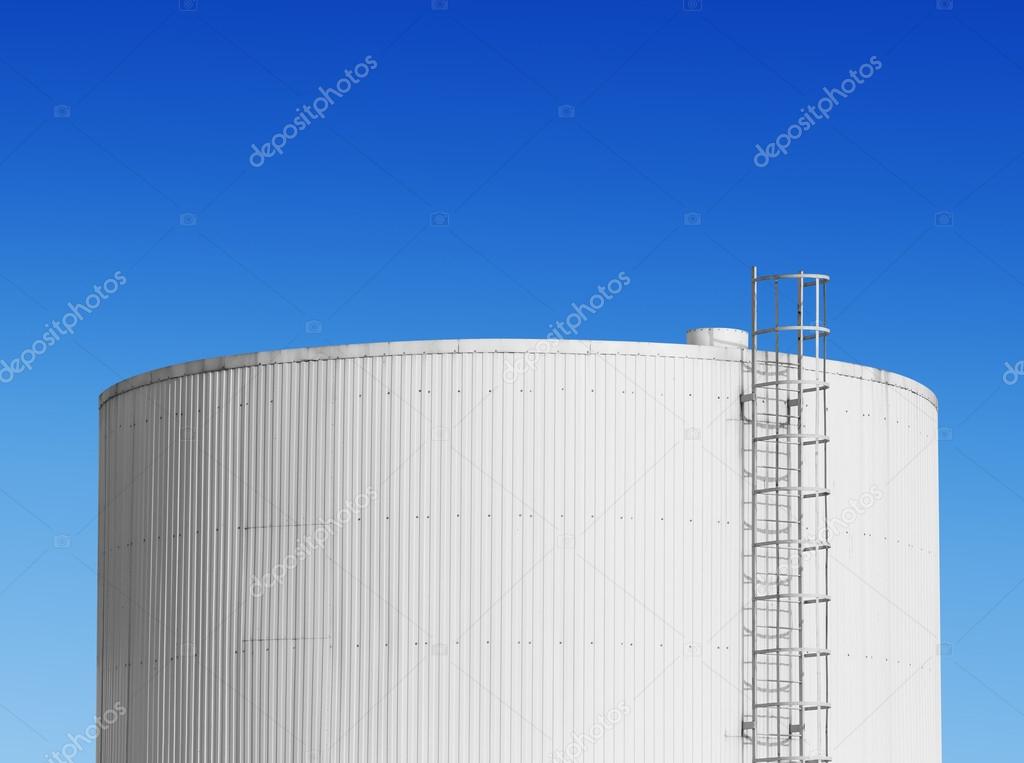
<point x="461" y="116"/>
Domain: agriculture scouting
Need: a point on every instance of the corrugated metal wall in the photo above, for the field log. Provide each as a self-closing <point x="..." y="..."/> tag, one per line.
<point x="485" y="556"/>
<point x="884" y="566"/>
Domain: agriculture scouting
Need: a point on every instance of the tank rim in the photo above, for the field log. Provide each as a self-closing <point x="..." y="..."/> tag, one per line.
<point x="460" y="346"/>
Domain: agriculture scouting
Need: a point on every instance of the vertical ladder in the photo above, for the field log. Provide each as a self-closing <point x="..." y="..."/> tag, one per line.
<point x="787" y="710"/>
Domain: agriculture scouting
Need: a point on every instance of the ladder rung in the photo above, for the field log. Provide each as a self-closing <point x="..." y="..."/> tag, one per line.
<point x="796" y="544"/>
<point x="795" y="597"/>
<point x="815" y="492"/>
<point x="777" y="580"/>
<point x="798" y="651"/>
<point x="807" y="385"/>
<point x="795" y="705"/>
<point x="798" y="437"/>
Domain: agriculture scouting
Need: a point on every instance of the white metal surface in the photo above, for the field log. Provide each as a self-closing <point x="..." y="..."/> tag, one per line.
<point x="547" y="569"/>
<point x="718" y="337"/>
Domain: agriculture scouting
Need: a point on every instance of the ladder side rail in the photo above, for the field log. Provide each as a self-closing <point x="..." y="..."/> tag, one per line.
<point x="800" y="498"/>
<point x="776" y="606"/>
<point x="753" y="515"/>
<point x="825" y="484"/>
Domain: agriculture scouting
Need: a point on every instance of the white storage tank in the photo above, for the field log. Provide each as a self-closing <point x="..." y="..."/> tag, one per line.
<point x="491" y="550"/>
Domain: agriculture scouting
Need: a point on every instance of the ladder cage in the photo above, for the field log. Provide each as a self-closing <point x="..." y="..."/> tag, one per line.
<point x="787" y="706"/>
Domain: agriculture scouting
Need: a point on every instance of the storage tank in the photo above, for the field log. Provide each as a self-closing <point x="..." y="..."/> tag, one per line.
<point x="499" y="550"/>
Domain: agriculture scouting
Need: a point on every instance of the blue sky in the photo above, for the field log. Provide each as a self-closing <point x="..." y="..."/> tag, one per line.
<point x="117" y="119"/>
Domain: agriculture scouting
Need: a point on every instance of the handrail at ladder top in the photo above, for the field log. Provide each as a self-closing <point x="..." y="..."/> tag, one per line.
<point x="812" y="277"/>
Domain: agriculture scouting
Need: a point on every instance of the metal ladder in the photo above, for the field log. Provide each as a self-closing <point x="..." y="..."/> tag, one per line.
<point x="787" y="707"/>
